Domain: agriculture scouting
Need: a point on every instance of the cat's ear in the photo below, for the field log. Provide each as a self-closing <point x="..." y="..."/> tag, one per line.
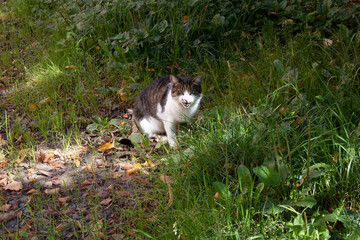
<point x="173" y="79"/>
<point x="197" y="80"/>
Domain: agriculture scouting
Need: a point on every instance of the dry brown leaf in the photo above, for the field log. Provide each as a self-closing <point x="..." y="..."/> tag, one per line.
<point x="87" y="182"/>
<point x="77" y="162"/>
<point x="3" y="182"/>
<point x="135" y="169"/>
<point x="5" y="217"/>
<point x="71" y="67"/>
<point x="106" y="201"/>
<point x="45" y="100"/>
<point x="63" y="199"/>
<point x="127" y="166"/>
<point x="52" y="191"/>
<point x="105" y="147"/>
<point x="123" y="194"/>
<point x="41" y="157"/>
<point x="33" y="191"/>
<point x="14" y="186"/>
<point x="57" y="165"/>
<point x="166" y="179"/>
<point x="216" y="196"/>
<point x="78" y="223"/>
<point x="5" y="207"/>
<point x="49" y="157"/>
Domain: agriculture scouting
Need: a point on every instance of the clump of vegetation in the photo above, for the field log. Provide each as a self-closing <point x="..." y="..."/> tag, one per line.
<point x="274" y="152"/>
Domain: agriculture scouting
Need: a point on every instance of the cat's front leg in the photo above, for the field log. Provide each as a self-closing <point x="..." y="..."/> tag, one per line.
<point x="170" y="129"/>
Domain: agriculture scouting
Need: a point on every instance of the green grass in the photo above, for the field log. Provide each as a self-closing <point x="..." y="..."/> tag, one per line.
<point x="273" y="153"/>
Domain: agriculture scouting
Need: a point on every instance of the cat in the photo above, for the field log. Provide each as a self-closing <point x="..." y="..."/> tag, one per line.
<point x="164" y="104"/>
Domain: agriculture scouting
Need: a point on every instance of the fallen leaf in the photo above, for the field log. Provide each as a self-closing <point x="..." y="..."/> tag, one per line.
<point x="14" y="186"/>
<point x="49" y="157"/>
<point x="166" y="179"/>
<point x="87" y="182"/>
<point x="5" y="207"/>
<point x="45" y="100"/>
<point x="5" y="217"/>
<point x="127" y="166"/>
<point x="33" y="191"/>
<point x="77" y="162"/>
<point x="33" y="107"/>
<point x="135" y="169"/>
<point x="185" y="19"/>
<point x="148" y="163"/>
<point x="216" y="196"/>
<point x="41" y="157"/>
<point x="63" y="200"/>
<point x="52" y="191"/>
<point x="288" y="22"/>
<point x="106" y="201"/>
<point x="328" y="42"/>
<point x="71" y="67"/>
<point x="58" y="165"/>
<point x="105" y="147"/>
<point x="123" y="194"/>
<point x="3" y="182"/>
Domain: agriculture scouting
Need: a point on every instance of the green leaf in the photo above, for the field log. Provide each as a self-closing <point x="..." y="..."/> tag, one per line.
<point x="146" y="142"/>
<point x="279" y="66"/>
<point x="223" y="190"/>
<point x="136" y="137"/>
<point x="271" y="206"/>
<point x="299" y="221"/>
<point x="307" y="202"/>
<point x="92" y="127"/>
<point x="349" y="218"/>
<point x="268" y="175"/>
<point x="161" y="26"/>
<point x="102" y="90"/>
<point x="104" y="47"/>
<point x="24" y="234"/>
<point x="116" y="122"/>
<point x="244" y="177"/>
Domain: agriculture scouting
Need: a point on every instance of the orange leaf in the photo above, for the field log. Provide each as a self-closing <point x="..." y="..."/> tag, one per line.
<point x="185" y="19"/>
<point x="49" y="157"/>
<point x="41" y="157"/>
<point x="216" y="196"/>
<point x="135" y="169"/>
<point x="105" y="147"/>
<point x="148" y="163"/>
<point x="151" y="70"/>
<point x="33" y="107"/>
<point x="106" y="201"/>
<point x="71" y="67"/>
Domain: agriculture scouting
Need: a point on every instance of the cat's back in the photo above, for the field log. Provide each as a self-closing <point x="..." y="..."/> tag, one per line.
<point x="146" y="102"/>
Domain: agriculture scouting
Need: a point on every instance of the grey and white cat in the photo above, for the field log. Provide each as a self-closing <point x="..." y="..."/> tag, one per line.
<point x="166" y="103"/>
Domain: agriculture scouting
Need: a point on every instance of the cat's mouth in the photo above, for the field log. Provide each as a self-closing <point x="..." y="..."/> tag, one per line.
<point x="186" y="104"/>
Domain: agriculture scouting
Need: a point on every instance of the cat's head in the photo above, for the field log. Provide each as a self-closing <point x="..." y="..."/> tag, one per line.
<point x="186" y="89"/>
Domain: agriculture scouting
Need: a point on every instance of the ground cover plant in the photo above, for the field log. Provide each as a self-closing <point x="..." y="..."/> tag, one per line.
<point x="273" y="153"/>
